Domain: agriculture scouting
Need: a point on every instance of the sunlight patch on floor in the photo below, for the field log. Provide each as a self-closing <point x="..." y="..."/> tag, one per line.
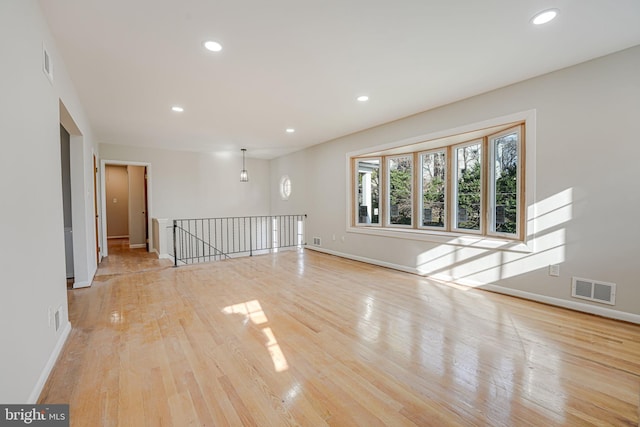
<point x="253" y="312"/>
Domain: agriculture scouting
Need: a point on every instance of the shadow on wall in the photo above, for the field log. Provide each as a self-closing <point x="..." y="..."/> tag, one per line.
<point x="478" y="266"/>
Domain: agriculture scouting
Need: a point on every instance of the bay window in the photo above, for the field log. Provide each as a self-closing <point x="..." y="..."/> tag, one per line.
<point x="462" y="184"/>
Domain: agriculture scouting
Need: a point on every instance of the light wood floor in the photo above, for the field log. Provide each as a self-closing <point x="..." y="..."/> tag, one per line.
<point x="304" y="338"/>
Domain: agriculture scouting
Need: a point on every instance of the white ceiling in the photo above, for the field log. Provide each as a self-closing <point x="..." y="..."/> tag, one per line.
<point x="301" y="63"/>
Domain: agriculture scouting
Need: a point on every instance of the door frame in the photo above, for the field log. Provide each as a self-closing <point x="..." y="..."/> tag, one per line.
<point x="103" y="208"/>
<point x="95" y="206"/>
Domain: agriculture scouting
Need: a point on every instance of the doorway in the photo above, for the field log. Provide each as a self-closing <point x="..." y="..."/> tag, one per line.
<point x="126" y="203"/>
<point x="65" y="160"/>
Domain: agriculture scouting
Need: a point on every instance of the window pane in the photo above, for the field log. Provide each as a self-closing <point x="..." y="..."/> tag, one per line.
<point x="468" y="186"/>
<point x="505" y="183"/>
<point x="368" y="191"/>
<point x="400" y="180"/>
<point x="433" y="189"/>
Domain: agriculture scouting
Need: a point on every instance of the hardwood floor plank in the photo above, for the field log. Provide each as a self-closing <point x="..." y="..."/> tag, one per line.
<point x="304" y="338"/>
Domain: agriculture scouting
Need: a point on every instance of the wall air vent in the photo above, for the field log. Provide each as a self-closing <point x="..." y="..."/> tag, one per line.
<point x="593" y="290"/>
<point x="47" y="65"/>
<point x="317" y="241"/>
<point x="57" y="320"/>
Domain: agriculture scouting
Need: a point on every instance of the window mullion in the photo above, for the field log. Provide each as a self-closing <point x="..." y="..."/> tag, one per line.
<point x="383" y="204"/>
<point x="416" y="190"/>
<point x="354" y="191"/>
<point x="484" y="185"/>
<point x="448" y="200"/>
<point x="521" y="181"/>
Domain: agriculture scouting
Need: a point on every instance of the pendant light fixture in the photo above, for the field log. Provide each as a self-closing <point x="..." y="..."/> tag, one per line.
<point x="244" y="176"/>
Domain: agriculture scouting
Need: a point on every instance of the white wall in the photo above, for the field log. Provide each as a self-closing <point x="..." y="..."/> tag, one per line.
<point x="295" y="167"/>
<point x="585" y="203"/>
<point x="32" y="264"/>
<point x="199" y="185"/>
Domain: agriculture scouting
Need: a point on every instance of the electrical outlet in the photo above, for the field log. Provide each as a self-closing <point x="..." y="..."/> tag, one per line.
<point x="554" y="270"/>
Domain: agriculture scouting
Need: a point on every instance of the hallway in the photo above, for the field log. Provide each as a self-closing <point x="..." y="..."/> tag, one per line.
<point x="124" y="260"/>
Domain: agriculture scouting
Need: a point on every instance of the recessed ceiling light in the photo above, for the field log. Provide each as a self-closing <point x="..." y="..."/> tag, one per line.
<point x="213" y="46"/>
<point x="177" y="109"/>
<point x="290" y="130"/>
<point x="363" y="98"/>
<point x="544" y="16"/>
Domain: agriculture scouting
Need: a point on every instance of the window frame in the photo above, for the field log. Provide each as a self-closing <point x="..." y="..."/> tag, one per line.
<point x="453" y="211"/>
<point x="387" y="193"/>
<point x="355" y="206"/>
<point x="420" y="212"/>
<point x="519" y="129"/>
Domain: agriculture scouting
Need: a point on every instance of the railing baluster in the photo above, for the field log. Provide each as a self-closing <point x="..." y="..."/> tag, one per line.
<point x="250" y="243"/>
<point x="175" y="255"/>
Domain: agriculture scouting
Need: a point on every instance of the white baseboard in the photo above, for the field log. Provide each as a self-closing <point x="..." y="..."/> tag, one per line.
<point x="137" y="246"/>
<point x="165" y="256"/>
<point x="118" y="237"/>
<point x="77" y="285"/>
<point x="367" y="260"/>
<point x="572" y="305"/>
<point x="162" y="256"/>
<point x="46" y="371"/>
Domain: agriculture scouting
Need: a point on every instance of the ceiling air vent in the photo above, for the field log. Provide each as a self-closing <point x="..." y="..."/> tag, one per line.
<point x="593" y="290"/>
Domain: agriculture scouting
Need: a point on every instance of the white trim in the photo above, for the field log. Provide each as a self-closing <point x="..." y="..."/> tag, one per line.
<point x="48" y="367"/>
<point x="446" y="237"/>
<point x="572" y="305"/>
<point x="126" y="236"/>
<point x="527" y="116"/>
<point x="365" y="259"/>
<point x="77" y="285"/>
<point x="503" y="120"/>
<point x="138" y="246"/>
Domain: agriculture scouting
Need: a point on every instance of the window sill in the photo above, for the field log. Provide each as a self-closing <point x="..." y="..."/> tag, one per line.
<point x="442" y="237"/>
